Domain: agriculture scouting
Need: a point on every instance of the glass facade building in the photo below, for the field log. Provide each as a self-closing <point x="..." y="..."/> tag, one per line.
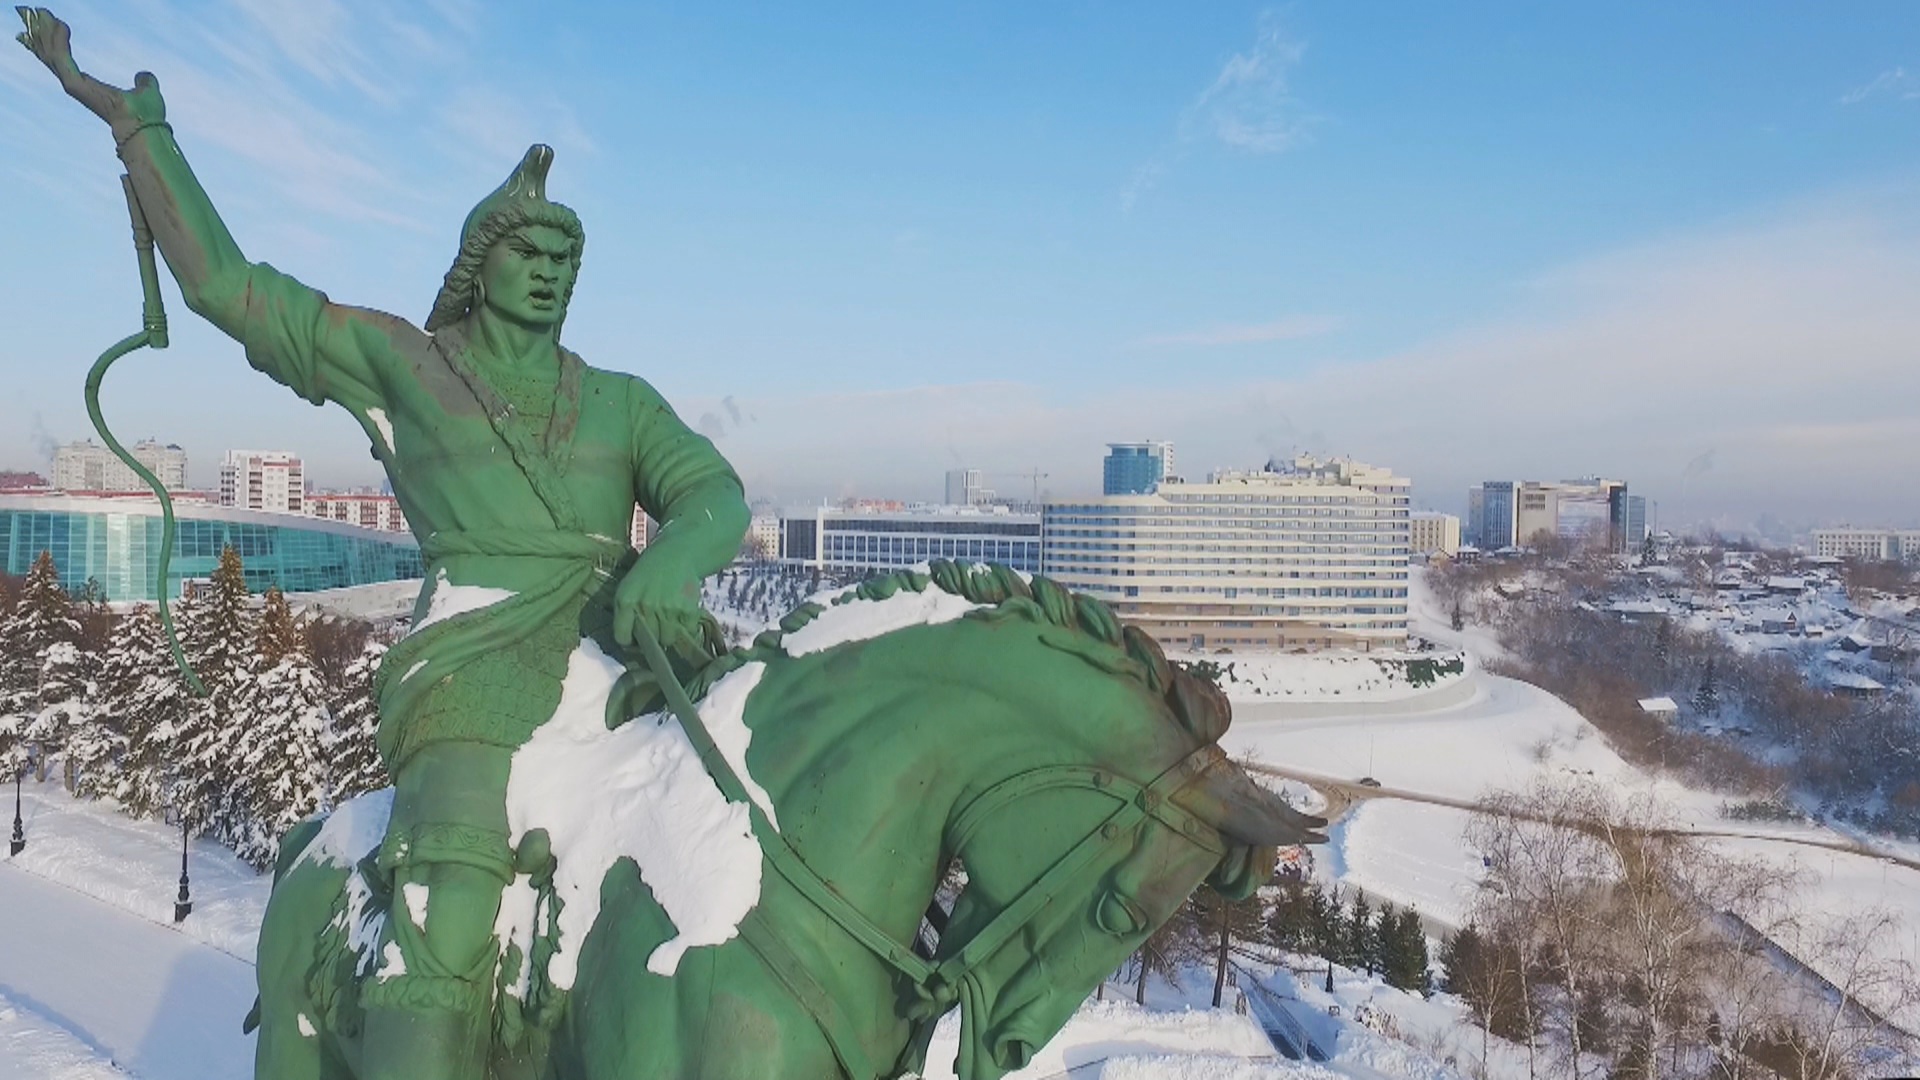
<point x="1499" y="513"/>
<point x="1134" y="468"/>
<point x="116" y="542"/>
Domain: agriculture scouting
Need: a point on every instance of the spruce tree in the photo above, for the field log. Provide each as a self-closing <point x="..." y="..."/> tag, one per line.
<point x="1663" y="643"/>
<point x="282" y="776"/>
<point x="1290" y="921"/>
<point x="1457" y="620"/>
<point x="1359" y="947"/>
<point x="1649" y="554"/>
<point x="279" y="633"/>
<point x="1706" y="700"/>
<point x="355" y="757"/>
<point x="218" y="638"/>
<point x="1403" y="950"/>
<point x="42" y="617"/>
<point x="142" y="698"/>
<point x="63" y="729"/>
<point x="1329" y="925"/>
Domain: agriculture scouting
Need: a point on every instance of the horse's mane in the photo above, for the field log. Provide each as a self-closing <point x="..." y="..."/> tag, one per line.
<point x="1094" y="632"/>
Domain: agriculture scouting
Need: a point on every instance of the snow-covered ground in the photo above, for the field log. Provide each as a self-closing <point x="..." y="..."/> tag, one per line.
<point x="1333" y="678"/>
<point x="89" y="989"/>
<point x="95" y="982"/>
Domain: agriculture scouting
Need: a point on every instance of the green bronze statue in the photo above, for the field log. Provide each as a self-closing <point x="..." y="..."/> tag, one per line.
<point x="582" y="874"/>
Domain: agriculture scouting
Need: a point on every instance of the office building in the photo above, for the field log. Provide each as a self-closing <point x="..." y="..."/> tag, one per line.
<point x="89" y="466"/>
<point x="1873" y="545"/>
<point x="890" y="539"/>
<point x="1135" y="468"/>
<point x="1307" y="554"/>
<point x="1430" y="533"/>
<point x="1498" y="523"/>
<point x="269" y="480"/>
<point x="1476" y="513"/>
<point x="1593" y="513"/>
<point x="116" y="543"/>
<point x="763" y="537"/>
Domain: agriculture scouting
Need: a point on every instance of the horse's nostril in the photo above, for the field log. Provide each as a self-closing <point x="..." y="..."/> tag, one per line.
<point x="1013" y="1053"/>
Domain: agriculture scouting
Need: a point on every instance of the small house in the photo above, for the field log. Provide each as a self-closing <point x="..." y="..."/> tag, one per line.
<point x="1854" y="685"/>
<point x="1660" y="708"/>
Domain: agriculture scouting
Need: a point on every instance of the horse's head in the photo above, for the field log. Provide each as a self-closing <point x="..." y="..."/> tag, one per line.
<point x="1071" y="866"/>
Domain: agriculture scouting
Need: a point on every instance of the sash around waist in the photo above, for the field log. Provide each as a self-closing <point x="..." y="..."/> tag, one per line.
<point x="602" y="551"/>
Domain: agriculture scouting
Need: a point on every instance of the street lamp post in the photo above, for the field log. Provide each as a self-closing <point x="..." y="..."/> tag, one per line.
<point x="19" y="841"/>
<point x="183" y="901"/>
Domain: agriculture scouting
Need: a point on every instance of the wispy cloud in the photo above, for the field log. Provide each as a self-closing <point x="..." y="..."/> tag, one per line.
<point x="1249" y="107"/>
<point x="1891" y="83"/>
<point x="1784" y="344"/>
<point x="1289" y="328"/>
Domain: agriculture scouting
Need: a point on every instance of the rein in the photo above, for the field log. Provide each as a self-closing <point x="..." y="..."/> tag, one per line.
<point x="153" y="333"/>
<point x="936" y="987"/>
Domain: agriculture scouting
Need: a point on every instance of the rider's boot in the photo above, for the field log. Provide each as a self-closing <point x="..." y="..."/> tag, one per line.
<point x="429" y="1002"/>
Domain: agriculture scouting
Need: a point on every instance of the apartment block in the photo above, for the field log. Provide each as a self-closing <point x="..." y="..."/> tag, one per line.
<point x="269" y="480"/>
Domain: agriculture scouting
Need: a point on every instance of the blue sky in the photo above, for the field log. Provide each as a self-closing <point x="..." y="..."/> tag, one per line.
<point x="863" y="244"/>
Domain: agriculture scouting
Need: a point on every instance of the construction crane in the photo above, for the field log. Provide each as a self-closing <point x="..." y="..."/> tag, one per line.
<point x="1033" y="474"/>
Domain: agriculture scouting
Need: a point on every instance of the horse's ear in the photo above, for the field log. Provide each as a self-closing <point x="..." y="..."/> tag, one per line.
<point x="1244" y="812"/>
<point x="1201" y="707"/>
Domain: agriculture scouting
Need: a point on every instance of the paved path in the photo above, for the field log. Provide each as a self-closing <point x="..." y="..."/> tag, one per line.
<point x="150" y="1000"/>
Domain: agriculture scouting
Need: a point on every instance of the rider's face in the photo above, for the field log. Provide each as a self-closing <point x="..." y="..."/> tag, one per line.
<point x="527" y="275"/>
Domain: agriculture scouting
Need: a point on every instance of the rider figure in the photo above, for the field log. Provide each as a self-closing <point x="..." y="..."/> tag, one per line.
<point x="518" y="467"/>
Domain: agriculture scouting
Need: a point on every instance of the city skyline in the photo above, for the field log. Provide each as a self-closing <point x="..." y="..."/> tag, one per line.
<point x="860" y="251"/>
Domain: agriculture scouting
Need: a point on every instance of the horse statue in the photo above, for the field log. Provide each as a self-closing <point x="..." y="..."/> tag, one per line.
<point x="660" y="928"/>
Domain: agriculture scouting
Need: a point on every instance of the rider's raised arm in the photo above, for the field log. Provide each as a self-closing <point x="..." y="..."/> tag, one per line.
<point x="323" y="351"/>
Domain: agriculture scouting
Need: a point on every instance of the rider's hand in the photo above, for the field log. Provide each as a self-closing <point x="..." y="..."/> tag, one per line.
<point x="663" y="597"/>
<point x="126" y="111"/>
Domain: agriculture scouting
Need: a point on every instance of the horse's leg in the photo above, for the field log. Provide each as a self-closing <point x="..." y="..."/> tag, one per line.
<point x="292" y="1044"/>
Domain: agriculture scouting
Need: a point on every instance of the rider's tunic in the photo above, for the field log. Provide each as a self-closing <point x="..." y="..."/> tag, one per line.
<point x="500" y="497"/>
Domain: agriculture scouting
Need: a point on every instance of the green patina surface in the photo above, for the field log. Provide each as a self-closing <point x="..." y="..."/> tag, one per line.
<point x="1051" y="749"/>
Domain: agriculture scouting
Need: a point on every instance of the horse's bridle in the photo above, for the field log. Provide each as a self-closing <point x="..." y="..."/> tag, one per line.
<point x="936" y="987"/>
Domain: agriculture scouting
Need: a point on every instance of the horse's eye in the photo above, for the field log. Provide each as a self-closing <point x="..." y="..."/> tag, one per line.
<point x="1118" y="915"/>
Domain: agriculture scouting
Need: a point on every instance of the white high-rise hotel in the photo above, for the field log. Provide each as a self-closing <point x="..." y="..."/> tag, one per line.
<point x="1311" y="554"/>
<point x="271" y="480"/>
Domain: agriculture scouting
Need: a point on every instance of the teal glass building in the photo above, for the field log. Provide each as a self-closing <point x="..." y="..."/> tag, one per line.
<point x="116" y="542"/>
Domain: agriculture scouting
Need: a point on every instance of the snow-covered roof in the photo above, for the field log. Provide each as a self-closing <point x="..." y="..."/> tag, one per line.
<point x="1782" y="583"/>
<point x="1637" y="607"/>
<point x="380" y="600"/>
<point x="1853" y="680"/>
<point x="1658" y="705"/>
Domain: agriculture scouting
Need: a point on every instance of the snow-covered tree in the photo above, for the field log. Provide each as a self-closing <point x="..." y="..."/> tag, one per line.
<point x="217" y="635"/>
<point x="357" y="767"/>
<point x="282" y="775"/>
<point x="142" y="699"/>
<point x="41" y="618"/>
<point x="63" y="728"/>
